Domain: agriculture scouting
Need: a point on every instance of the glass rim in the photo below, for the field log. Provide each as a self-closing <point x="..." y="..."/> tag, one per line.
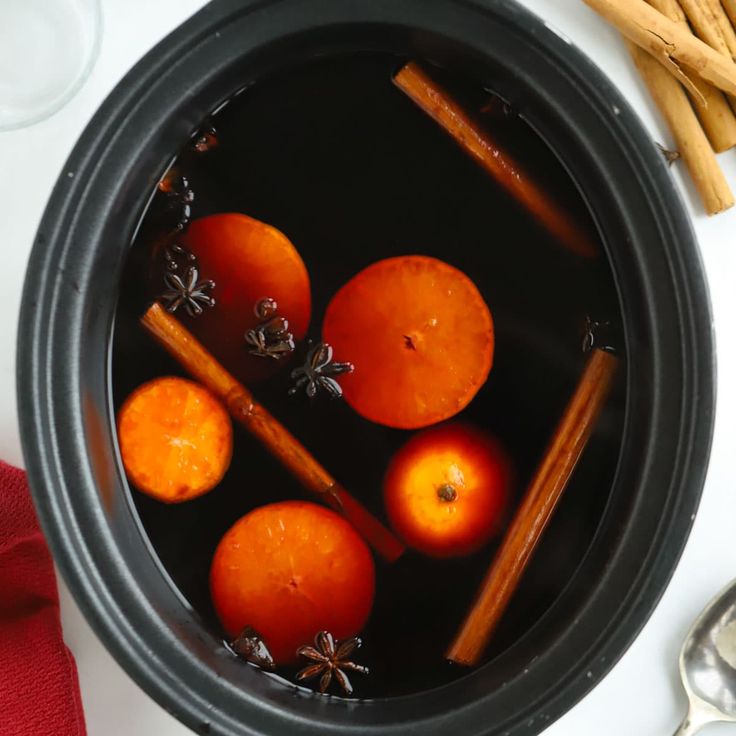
<point x="68" y="93"/>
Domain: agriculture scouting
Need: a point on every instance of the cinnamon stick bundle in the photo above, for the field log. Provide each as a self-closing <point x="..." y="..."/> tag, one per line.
<point x="537" y="507"/>
<point x="478" y="143"/>
<point x="668" y="41"/>
<point x="711" y="105"/>
<point x="244" y="408"/>
<point x="690" y="139"/>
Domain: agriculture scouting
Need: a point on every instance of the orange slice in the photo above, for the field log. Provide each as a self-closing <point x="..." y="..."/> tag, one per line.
<point x="175" y="439"/>
<point x="420" y="336"/>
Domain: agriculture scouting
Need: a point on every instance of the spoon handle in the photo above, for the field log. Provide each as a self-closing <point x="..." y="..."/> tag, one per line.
<point x="688" y="728"/>
<point x="694" y="721"/>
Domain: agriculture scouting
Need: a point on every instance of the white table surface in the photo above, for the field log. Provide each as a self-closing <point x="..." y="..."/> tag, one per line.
<point x="641" y="695"/>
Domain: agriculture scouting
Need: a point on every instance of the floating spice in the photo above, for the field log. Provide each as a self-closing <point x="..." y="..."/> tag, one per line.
<point x="176" y="255"/>
<point x="330" y="659"/>
<point x="271" y="338"/>
<point x="319" y="371"/>
<point x="187" y="291"/>
<point x="179" y="197"/>
<point x="250" y="646"/>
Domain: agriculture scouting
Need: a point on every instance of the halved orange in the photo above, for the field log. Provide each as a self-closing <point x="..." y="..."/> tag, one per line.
<point x="420" y="336"/>
<point x="249" y="261"/>
<point x="175" y="438"/>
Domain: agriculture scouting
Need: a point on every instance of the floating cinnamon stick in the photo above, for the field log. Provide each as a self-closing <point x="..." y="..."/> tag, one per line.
<point x="715" y="114"/>
<point x="439" y="105"/>
<point x="668" y="41"/>
<point x="244" y="408"/>
<point x="537" y="506"/>
<point x="689" y="137"/>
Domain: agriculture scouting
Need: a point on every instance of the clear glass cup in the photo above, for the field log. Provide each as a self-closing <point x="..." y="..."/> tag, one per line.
<point x="47" y="50"/>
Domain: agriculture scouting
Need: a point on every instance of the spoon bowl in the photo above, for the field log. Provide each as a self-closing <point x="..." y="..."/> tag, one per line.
<point x="708" y="664"/>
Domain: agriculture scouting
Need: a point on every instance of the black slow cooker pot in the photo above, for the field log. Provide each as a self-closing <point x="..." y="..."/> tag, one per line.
<point x="64" y="363"/>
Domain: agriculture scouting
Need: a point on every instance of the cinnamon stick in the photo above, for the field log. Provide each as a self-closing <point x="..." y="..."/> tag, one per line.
<point x="711" y="24"/>
<point x="690" y="139"/>
<point x="711" y="105"/>
<point x="537" y="507"/>
<point x="479" y="144"/>
<point x="726" y="29"/>
<point x="715" y="113"/>
<point x="668" y="41"/>
<point x="672" y="9"/>
<point x="724" y="23"/>
<point x="730" y="7"/>
<point x="244" y="408"/>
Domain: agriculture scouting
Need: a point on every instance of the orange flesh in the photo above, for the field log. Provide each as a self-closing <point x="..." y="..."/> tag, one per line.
<point x="420" y="336"/>
<point x="446" y="490"/>
<point x="290" y="570"/>
<point x="175" y="439"/>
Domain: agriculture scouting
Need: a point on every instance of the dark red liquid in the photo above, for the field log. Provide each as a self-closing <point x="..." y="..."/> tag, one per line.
<point x="351" y="171"/>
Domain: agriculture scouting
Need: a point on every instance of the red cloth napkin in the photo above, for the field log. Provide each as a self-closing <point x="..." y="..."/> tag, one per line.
<point x="39" y="691"/>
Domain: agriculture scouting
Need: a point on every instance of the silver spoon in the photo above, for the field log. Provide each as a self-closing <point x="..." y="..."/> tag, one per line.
<point x="708" y="664"/>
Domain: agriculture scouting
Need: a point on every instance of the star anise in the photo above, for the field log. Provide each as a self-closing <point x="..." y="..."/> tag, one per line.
<point x="271" y="338"/>
<point x="318" y="372"/>
<point x="330" y="659"/>
<point x="187" y="291"/>
<point x="251" y="647"/>
<point x="175" y="255"/>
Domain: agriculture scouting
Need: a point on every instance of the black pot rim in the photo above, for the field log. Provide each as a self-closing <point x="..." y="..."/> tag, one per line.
<point x="54" y="416"/>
